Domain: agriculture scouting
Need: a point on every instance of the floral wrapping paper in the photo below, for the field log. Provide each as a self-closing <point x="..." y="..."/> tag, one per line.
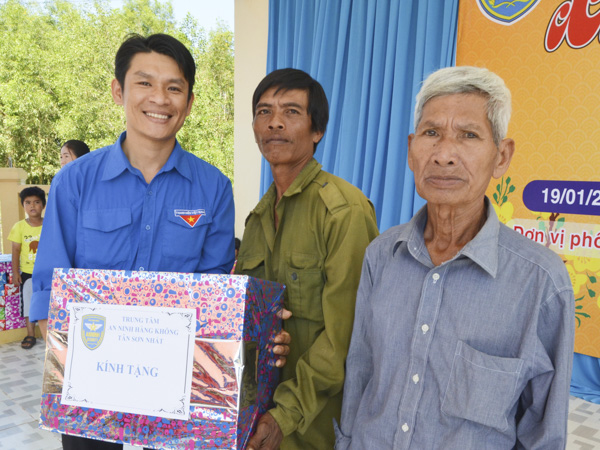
<point x="10" y="311"/>
<point x="233" y="313"/>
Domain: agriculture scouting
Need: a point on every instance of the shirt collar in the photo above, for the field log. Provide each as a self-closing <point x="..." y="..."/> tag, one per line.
<point x="117" y="162"/>
<point x="482" y="249"/>
<point x="304" y="178"/>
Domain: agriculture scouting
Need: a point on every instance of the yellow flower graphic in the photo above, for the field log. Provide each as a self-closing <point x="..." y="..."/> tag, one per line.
<point x="586" y="263"/>
<point x="504" y="212"/>
<point x="578" y="280"/>
<point x="542" y="215"/>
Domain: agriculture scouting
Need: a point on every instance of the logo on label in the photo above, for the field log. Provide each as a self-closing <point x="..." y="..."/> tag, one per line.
<point x="506" y="12"/>
<point x="190" y="217"/>
<point x="92" y="330"/>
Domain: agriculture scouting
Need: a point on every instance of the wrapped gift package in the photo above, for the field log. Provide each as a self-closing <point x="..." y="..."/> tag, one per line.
<point x="11" y="290"/>
<point x="10" y="300"/>
<point x="5" y="267"/>
<point x="12" y="311"/>
<point x="234" y="314"/>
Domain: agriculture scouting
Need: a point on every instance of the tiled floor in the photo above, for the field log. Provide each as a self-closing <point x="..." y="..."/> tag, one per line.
<point x="20" y="389"/>
<point x="584" y="425"/>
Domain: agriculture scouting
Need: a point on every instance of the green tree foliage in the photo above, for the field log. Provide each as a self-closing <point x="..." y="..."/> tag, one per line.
<point x="209" y="127"/>
<point x="56" y="66"/>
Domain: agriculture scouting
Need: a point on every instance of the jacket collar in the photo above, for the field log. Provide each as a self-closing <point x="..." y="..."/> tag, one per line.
<point x="301" y="182"/>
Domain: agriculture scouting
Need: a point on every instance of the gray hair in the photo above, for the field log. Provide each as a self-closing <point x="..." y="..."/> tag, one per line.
<point x="470" y="80"/>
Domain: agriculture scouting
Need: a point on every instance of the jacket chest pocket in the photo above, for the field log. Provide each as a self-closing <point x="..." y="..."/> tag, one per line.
<point x="183" y="233"/>
<point x="304" y="281"/>
<point x="107" y="237"/>
<point x="481" y="387"/>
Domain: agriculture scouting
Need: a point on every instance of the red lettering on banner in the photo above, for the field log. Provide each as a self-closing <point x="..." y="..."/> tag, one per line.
<point x="572" y="21"/>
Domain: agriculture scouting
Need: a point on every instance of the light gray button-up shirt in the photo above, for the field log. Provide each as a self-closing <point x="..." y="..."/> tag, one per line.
<point x="475" y="353"/>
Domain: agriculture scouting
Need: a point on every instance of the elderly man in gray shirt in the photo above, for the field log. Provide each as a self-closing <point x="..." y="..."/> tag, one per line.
<point x="463" y="335"/>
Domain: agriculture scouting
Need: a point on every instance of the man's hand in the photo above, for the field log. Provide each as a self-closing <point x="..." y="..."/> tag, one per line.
<point x="268" y="435"/>
<point x="283" y="338"/>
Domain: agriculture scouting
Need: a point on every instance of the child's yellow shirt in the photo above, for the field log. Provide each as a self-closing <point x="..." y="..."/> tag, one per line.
<point x="29" y="237"/>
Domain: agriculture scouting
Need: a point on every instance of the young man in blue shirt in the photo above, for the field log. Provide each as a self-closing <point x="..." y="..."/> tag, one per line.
<point x="142" y="203"/>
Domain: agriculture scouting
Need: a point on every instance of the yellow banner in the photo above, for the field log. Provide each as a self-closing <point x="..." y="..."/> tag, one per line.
<point x="549" y="55"/>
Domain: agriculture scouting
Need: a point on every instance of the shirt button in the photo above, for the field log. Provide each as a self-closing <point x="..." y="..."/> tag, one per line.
<point x="436" y="276"/>
<point x="149" y="192"/>
<point x="294" y="276"/>
<point x="141" y="268"/>
<point x="415" y="378"/>
<point x="425" y="328"/>
<point x="405" y="427"/>
<point x="147" y="227"/>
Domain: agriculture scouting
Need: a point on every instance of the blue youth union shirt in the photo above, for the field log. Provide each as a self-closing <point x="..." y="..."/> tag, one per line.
<point x="101" y="214"/>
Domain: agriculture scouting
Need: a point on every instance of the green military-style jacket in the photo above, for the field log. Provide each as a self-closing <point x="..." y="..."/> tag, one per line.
<point x="325" y="225"/>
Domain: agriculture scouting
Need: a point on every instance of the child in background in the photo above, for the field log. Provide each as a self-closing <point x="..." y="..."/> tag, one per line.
<point x="71" y="150"/>
<point x="25" y="236"/>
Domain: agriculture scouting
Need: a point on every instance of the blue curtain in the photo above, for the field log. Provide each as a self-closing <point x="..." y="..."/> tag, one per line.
<point x="370" y="56"/>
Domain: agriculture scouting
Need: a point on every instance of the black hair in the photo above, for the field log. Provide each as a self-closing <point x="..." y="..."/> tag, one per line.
<point x="237" y="243"/>
<point x="78" y="148"/>
<point x="33" y="191"/>
<point x="288" y="79"/>
<point x="159" y="43"/>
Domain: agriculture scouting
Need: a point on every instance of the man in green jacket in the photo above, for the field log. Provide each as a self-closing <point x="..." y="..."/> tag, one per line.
<point x="309" y="232"/>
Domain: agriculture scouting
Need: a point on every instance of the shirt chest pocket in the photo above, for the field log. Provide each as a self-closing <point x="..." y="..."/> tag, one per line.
<point x="107" y="237"/>
<point x="304" y="281"/>
<point x="184" y="232"/>
<point x="482" y="387"/>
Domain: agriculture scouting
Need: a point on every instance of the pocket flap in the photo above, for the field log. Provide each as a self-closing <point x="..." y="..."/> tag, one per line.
<point x="106" y="219"/>
<point x="303" y="261"/>
<point x="250" y="263"/>
<point x="488" y="362"/>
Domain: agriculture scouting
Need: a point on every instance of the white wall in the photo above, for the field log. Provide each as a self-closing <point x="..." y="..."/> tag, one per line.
<point x="251" y="28"/>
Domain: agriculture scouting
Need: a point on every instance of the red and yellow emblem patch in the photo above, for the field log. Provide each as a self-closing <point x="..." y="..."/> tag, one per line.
<point x="190" y="217"/>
